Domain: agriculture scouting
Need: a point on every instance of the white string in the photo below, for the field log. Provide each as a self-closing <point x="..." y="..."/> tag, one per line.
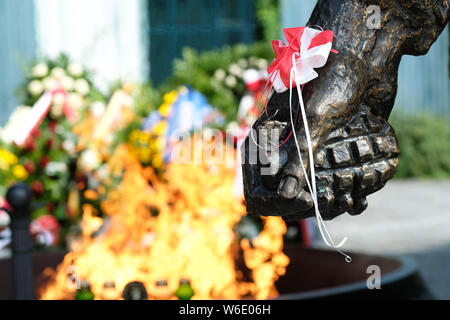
<point x="314" y="25"/>
<point x="311" y="185"/>
<point x="254" y="140"/>
<point x="272" y="76"/>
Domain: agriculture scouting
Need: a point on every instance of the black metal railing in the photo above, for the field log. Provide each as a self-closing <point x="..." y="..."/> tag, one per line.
<point x="19" y="198"/>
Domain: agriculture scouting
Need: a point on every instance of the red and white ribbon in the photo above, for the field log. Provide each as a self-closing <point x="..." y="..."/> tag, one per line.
<point x="311" y="49"/>
<point x="37" y="114"/>
<point x="33" y="119"/>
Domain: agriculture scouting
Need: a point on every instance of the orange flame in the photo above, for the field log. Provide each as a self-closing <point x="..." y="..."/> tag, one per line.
<point x="180" y="226"/>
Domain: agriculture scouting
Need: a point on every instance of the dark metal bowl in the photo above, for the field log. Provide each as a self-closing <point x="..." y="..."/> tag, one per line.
<point x="312" y="274"/>
<point x="323" y="274"/>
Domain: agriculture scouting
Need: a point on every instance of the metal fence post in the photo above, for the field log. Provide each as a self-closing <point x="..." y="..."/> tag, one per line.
<point x="19" y="197"/>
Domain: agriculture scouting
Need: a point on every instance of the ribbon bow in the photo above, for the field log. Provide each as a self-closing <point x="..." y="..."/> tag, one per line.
<point x="311" y="49"/>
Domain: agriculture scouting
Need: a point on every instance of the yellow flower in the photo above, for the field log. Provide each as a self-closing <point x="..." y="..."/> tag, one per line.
<point x="4" y="165"/>
<point x="144" y="155"/>
<point x="157" y="161"/>
<point x="144" y="137"/>
<point x="170" y="97"/>
<point x="160" y="128"/>
<point x="153" y="147"/>
<point x="165" y="109"/>
<point x="20" y="172"/>
<point x="134" y="136"/>
<point x="8" y="157"/>
<point x="145" y="158"/>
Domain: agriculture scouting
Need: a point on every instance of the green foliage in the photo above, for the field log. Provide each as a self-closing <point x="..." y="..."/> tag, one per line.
<point x="146" y="99"/>
<point x="268" y="14"/>
<point x="208" y="73"/>
<point x="424" y="145"/>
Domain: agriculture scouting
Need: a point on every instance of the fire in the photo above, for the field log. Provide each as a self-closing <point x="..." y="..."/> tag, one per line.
<point x="171" y="228"/>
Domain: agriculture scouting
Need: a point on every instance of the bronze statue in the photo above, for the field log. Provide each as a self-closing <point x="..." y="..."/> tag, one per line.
<point x="348" y="107"/>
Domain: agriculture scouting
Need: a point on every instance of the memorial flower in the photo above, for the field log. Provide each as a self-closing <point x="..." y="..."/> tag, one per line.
<point x="20" y="172"/>
<point x="40" y="70"/>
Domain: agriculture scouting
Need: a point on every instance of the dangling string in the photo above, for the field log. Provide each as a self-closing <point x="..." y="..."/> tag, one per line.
<point x="272" y="75"/>
<point x="280" y="145"/>
<point x="314" y="25"/>
<point x="311" y="185"/>
<point x="270" y="80"/>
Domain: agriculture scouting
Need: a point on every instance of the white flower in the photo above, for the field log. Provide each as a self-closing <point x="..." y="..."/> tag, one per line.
<point x="230" y="81"/>
<point x="56" y="111"/>
<point x="4" y="219"/>
<point x="69" y="146"/>
<point x="50" y="84"/>
<point x="253" y="61"/>
<point x="250" y="76"/>
<point x="243" y="63"/>
<point x="89" y="160"/>
<point x="262" y="64"/>
<point x="59" y="99"/>
<point x="67" y="83"/>
<point x="5" y="238"/>
<point x="75" y="101"/>
<point x="54" y="168"/>
<point x="92" y="181"/>
<point x="45" y="238"/>
<point x="40" y="70"/>
<point x="82" y="87"/>
<point x="35" y="87"/>
<point x="233" y="128"/>
<point x="235" y="70"/>
<point x="103" y="172"/>
<point x="98" y="109"/>
<point x="75" y="69"/>
<point x="220" y="74"/>
<point x="58" y="73"/>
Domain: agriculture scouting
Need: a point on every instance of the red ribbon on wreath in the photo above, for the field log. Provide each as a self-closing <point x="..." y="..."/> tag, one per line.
<point x="39" y="111"/>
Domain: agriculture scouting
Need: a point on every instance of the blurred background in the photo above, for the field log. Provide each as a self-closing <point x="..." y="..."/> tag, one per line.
<point x="137" y="59"/>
